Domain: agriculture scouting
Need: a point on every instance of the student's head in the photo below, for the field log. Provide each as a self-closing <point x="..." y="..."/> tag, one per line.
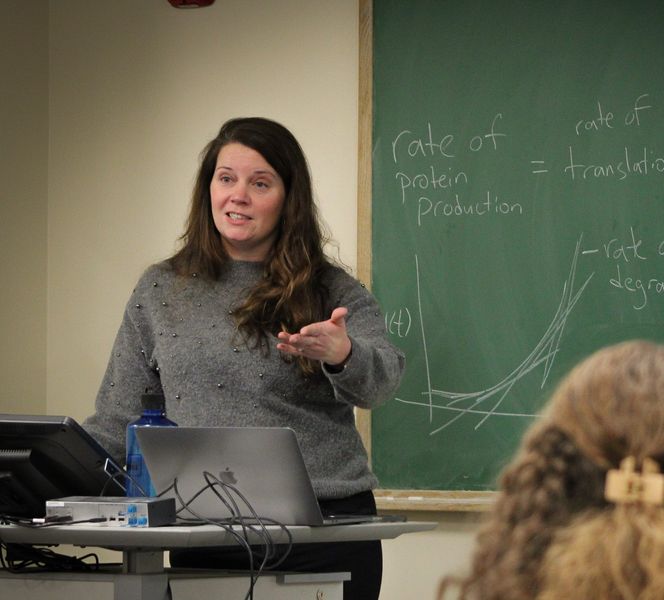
<point x="611" y="406"/>
<point x="289" y="229"/>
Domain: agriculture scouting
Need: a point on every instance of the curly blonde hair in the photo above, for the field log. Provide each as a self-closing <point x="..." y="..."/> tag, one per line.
<point x="609" y="407"/>
<point x="613" y="555"/>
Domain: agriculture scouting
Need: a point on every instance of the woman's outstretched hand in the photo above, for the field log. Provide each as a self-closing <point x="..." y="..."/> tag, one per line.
<point x="326" y="341"/>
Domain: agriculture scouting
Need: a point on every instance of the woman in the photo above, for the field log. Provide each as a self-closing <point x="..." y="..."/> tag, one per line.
<point x="249" y="324"/>
<point x="557" y="531"/>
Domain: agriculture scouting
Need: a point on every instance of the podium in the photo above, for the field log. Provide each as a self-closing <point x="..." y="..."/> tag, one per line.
<point x="143" y="575"/>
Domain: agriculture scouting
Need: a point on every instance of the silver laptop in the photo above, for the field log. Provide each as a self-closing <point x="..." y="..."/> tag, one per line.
<point x="264" y="464"/>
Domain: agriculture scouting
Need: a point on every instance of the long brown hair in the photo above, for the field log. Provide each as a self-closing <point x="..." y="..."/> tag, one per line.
<point x="609" y="407"/>
<point x="291" y="293"/>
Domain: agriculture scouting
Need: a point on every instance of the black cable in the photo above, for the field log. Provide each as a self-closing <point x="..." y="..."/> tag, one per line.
<point x="47" y="521"/>
<point x="185" y="504"/>
<point x="260" y="521"/>
<point x="22" y="558"/>
<point x="251" y="523"/>
<point x="56" y="522"/>
<point x="115" y="478"/>
<point x="255" y="524"/>
<point x="226" y="526"/>
<point x="253" y="574"/>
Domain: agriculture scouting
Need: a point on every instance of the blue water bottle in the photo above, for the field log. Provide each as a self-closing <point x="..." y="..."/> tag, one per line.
<point x="154" y="415"/>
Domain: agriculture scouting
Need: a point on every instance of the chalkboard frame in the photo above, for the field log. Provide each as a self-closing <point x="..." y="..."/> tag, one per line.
<point x="388" y="499"/>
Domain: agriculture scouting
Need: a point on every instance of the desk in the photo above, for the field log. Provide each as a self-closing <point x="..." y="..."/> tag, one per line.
<point x="143" y="576"/>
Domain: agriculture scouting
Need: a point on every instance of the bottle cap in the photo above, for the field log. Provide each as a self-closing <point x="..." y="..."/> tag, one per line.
<point x="153" y="401"/>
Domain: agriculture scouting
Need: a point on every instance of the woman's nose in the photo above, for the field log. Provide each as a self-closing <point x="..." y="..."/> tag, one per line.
<point x="240" y="192"/>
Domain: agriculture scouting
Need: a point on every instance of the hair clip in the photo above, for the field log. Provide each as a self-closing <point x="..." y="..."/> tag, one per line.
<point x="626" y="485"/>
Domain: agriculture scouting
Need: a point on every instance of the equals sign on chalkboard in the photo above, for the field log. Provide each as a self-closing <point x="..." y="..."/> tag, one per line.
<point x="538" y="166"/>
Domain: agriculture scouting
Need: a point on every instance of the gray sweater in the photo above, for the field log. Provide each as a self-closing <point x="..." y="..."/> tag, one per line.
<point x="178" y="336"/>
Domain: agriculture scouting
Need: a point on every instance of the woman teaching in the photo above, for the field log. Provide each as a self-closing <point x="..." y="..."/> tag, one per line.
<point x="250" y="324"/>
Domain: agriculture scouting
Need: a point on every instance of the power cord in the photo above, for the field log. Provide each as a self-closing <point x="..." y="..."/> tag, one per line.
<point x="23" y="558"/>
<point x="115" y="478"/>
<point x="41" y="522"/>
<point x="249" y="526"/>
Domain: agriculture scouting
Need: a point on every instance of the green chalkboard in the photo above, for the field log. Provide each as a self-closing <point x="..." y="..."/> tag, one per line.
<point x="517" y="214"/>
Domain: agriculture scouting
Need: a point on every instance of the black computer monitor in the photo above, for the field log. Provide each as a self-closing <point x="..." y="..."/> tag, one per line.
<point x="46" y="457"/>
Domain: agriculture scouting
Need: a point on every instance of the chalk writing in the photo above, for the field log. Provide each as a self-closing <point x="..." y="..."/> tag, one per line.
<point x="538" y="167"/>
<point x="636" y="285"/>
<point x="441" y="182"/>
<point x="490" y="205"/>
<point x="398" y="322"/>
<point x="605" y="119"/>
<point x="602" y="120"/>
<point x="406" y="144"/>
<point x="417" y="146"/>
<point x="628" y="256"/>
<point x="637" y="160"/>
<point x="433" y="180"/>
<point x="616" y="249"/>
<point x="642" y="162"/>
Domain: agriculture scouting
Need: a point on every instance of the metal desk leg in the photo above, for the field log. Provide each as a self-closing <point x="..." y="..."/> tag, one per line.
<point x="142" y="561"/>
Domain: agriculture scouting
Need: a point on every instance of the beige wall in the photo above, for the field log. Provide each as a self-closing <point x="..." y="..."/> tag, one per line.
<point x="136" y="88"/>
<point x="23" y="205"/>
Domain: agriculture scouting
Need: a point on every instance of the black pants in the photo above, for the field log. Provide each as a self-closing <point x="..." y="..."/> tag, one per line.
<point x="364" y="560"/>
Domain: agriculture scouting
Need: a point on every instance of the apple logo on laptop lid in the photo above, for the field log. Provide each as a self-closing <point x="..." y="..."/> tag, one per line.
<point x="227" y="476"/>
